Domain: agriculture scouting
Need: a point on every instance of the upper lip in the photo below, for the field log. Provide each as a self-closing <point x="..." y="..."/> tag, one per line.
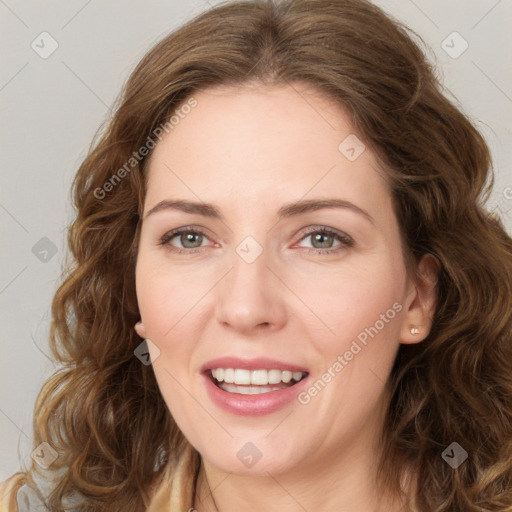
<point x="259" y="363"/>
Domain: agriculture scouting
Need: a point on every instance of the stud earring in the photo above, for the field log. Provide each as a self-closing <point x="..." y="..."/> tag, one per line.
<point x="415" y="330"/>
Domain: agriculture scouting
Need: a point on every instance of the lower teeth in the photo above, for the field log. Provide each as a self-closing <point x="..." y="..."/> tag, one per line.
<point x="252" y="390"/>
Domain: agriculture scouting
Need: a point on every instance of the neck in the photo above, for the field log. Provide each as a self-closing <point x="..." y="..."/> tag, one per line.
<point x="342" y="481"/>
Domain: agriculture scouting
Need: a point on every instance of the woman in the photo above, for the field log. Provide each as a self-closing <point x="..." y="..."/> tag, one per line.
<point x="287" y="292"/>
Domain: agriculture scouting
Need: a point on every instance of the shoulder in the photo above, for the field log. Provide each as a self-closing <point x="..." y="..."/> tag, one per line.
<point x="9" y="490"/>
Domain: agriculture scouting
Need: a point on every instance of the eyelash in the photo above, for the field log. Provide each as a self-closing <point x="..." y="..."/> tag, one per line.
<point x="345" y="240"/>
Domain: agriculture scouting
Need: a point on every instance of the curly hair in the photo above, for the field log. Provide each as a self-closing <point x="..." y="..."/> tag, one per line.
<point x="102" y="409"/>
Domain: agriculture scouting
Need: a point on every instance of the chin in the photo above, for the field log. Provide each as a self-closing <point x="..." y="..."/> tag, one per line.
<point x="256" y="457"/>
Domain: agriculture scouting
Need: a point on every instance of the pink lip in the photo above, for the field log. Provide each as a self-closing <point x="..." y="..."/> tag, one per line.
<point x="251" y="405"/>
<point x="260" y="363"/>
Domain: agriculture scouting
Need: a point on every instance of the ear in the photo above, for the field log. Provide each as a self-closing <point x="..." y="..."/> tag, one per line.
<point x="421" y="301"/>
<point x="140" y="329"/>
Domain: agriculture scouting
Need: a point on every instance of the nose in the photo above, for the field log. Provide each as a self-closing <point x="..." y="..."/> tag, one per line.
<point x="250" y="297"/>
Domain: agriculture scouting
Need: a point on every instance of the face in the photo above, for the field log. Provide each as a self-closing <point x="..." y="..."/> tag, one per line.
<point x="301" y="307"/>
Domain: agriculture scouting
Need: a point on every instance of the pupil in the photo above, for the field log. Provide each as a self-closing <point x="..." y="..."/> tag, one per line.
<point x="189" y="237"/>
<point x="319" y="236"/>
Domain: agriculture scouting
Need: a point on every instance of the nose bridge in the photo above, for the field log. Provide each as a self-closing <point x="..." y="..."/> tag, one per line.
<point x="248" y="296"/>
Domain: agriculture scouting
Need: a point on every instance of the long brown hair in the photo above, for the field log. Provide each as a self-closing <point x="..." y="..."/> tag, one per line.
<point x="102" y="410"/>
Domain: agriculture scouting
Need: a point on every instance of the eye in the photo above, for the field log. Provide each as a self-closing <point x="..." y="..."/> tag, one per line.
<point x="322" y="240"/>
<point x="191" y="239"/>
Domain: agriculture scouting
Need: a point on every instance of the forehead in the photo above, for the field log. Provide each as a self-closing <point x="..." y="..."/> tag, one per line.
<point x="274" y="142"/>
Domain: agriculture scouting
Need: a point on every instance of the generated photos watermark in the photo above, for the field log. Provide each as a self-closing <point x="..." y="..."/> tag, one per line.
<point x="356" y="346"/>
<point x="137" y="156"/>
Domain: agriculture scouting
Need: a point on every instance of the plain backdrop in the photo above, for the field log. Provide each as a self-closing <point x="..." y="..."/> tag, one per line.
<point x="51" y="108"/>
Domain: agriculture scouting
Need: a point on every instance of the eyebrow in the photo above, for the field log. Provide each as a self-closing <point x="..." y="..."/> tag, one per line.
<point x="288" y="210"/>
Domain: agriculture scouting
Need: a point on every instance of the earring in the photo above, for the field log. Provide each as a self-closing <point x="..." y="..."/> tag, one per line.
<point x="415" y="330"/>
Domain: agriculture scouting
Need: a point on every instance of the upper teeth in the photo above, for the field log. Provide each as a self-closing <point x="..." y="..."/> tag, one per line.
<point x="257" y="377"/>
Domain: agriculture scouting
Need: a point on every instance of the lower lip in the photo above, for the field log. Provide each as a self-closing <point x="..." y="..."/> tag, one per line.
<point x="252" y="405"/>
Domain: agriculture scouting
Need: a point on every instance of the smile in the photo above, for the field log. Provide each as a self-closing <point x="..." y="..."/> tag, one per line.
<point x="254" y="382"/>
<point x="253" y="387"/>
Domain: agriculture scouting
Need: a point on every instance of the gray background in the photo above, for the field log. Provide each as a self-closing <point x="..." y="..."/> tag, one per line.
<point x="51" y="108"/>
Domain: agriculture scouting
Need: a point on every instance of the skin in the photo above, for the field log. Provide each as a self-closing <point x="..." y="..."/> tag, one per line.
<point x="280" y="144"/>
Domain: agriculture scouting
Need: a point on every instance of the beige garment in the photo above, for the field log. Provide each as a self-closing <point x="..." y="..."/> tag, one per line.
<point x="176" y="492"/>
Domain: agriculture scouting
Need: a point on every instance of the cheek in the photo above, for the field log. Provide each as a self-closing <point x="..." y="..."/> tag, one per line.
<point x="351" y="299"/>
<point x="166" y="297"/>
<point x="168" y="304"/>
<point x="356" y="342"/>
<point x="355" y="355"/>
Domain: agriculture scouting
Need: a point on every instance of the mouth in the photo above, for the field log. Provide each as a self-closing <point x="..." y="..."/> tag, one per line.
<point x="254" y="382"/>
<point x="253" y="387"/>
